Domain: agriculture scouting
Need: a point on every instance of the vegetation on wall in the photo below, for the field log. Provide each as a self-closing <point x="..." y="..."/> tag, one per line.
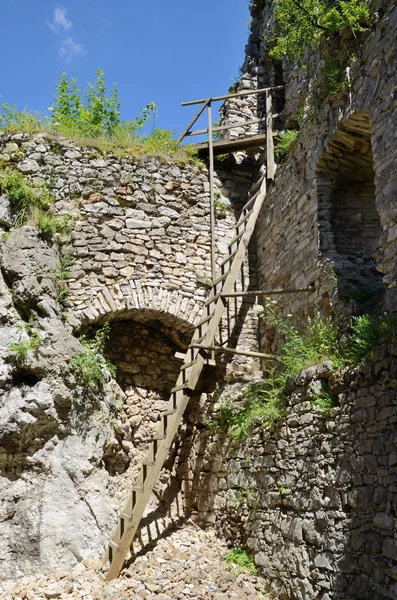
<point x="286" y="141"/>
<point x="33" y="204"/>
<point x="239" y="560"/>
<point x="307" y="22"/>
<point x="317" y="343"/>
<point x="89" y="364"/>
<point x="24" y="346"/>
<point x="95" y="118"/>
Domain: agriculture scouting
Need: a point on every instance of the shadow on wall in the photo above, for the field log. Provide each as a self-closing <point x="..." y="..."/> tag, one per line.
<point x="313" y="498"/>
<point x="349" y="222"/>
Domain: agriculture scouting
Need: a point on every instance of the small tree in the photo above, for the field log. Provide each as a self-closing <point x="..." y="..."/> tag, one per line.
<point x="99" y="115"/>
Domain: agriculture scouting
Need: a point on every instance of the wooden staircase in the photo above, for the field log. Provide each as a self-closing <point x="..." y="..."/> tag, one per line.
<point x="197" y="355"/>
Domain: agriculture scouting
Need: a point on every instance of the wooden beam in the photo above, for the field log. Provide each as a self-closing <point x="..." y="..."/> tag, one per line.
<point x="228" y="146"/>
<point x="271" y="169"/>
<point x="225" y="127"/>
<point x="222" y="350"/>
<point x="192" y="122"/>
<point x="308" y="289"/>
<point x="237" y="95"/>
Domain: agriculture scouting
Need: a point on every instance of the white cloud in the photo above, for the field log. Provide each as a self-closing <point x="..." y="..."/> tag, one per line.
<point x="68" y="49"/>
<point x="60" y="21"/>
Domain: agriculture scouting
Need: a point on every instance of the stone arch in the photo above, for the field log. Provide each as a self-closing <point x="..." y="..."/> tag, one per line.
<point x="123" y="299"/>
<point x="349" y="223"/>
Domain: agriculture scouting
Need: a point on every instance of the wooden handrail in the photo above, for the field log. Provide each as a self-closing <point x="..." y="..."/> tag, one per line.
<point x="237" y="95"/>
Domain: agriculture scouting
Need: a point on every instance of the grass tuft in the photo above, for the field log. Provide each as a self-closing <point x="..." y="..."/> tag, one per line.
<point x="240" y="561"/>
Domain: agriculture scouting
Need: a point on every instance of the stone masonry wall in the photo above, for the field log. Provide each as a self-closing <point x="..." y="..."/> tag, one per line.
<point x="288" y="245"/>
<point x="312" y="498"/>
<point x="140" y="253"/>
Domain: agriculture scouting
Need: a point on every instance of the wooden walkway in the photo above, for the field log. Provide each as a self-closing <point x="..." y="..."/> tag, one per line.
<point x="231" y="145"/>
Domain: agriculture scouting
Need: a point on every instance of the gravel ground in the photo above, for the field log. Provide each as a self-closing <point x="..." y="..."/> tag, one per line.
<point x="188" y="564"/>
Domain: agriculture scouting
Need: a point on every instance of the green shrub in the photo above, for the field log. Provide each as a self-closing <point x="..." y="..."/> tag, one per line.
<point x="22" y="347"/>
<point x="307" y="22"/>
<point x="62" y="273"/>
<point x="264" y="403"/>
<point x="89" y="364"/>
<point x="33" y="204"/>
<point x="286" y="141"/>
<point x="95" y="119"/>
<point x="367" y="332"/>
<point x="241" y="562"/>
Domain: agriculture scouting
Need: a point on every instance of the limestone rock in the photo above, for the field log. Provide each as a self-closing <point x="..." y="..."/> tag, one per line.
<point x="24" y="254"/>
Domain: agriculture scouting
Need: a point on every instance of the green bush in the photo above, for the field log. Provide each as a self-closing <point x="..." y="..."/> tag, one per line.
<point x="22" y="347"/>
<point x="264" y="402"/>
<point x="241" y="562"/>
<point x="307" y="22"/>
<point x="89" y="364"/>
<point x="94" y="118"/>
<point x="367" y="332"/>
<point x="286" y="141"/>
<point x="317" y="343"/>
<point x="33" y="204"/>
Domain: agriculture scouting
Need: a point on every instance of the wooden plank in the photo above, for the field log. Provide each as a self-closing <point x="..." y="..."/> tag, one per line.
<point x="269" y="138"/>
<point x="222" y="350"/>
<point x="237" y="95"/>
<point x="228" y="146"/>
<point x="212" y="191"/>
<point x="192" y="122"/>
<point x="225" y="127"/>
<point x="308" y="289"/>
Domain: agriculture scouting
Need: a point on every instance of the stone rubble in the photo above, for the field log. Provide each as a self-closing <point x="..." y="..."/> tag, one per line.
<point x="188" y="564"/>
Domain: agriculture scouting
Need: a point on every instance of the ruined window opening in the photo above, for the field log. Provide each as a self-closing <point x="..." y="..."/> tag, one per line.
<point x="349" y="223"/>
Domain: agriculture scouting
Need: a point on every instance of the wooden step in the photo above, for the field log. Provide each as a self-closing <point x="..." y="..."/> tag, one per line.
<point x="228" y="258"/>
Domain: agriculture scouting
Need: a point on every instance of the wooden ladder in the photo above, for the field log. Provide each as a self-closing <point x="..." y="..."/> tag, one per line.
<point x="194" y="360"/>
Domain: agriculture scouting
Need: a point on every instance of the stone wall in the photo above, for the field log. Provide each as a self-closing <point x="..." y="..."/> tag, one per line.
<point x="313" y="498"/>
<point x="140" y="251"/>
<point x="344" y="136"/>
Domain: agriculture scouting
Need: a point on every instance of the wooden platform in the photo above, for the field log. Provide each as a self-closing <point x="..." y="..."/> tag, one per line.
<point x="232" y="145"/>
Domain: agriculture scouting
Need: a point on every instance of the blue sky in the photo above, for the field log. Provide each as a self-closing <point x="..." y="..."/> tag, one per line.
<point x="161" y="51"/>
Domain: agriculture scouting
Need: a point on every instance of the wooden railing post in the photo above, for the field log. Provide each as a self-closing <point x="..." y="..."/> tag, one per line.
<point x="212" y="191"/>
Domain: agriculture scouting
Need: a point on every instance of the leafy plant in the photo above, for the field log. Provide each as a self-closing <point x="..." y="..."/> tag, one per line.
<point x="263" y="402"/>
<point x="286" y="141"/>
<point x="32" y="344"/>
<point x="241" y="562"/>
<point x="306" y="22"/>
<point x="62" y="274"/>
<point x="98" y="115"/>
<point x="367" y="332"/>
<point x="90" y="363"/>
<point x="94" y="118"/>
<point x="33" y="204"/>
<point x="324" y="402"/>
<point x="334" y="75"/>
